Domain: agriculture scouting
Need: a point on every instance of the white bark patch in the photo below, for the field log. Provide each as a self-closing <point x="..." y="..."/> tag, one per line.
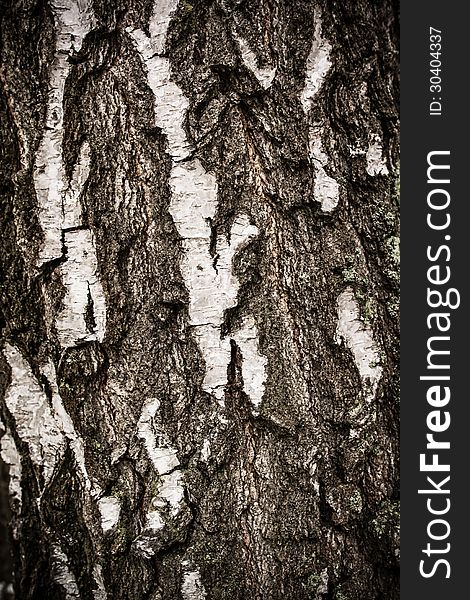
<point x="193" y="202"/>
<point x="254" y="363"/>
<point x="162" y="13"/>
<point x="191" y="587"/>
<point x="359" y="340"/>
<point x="356" y="150"/>
<point x="265" y="75"/>
<point x="154" y="522"/>
<point x="376" y="164"/>
<point x="100" y="592"/>
<point x="58" y="199"/>
<point x="326" y="189"/>
<point x="73" y="20"/>
<point x="165" y="460"/>
<point x="318" y="65"/>
<point x="66" y="426"/>
<point x="205" y="450"/>
<point x="62" y="575"/>
<point x="84" y="291"/>
<point x="6" y="590"/>
<point x="35" y="423"/>
<point x="212" y="289"/>
<point x="171" y="491"/>
<point x="110" y="510"/>
<point x="170" y="102"/>
<point x="12" y="458"/>
<point x="44" y="428"/>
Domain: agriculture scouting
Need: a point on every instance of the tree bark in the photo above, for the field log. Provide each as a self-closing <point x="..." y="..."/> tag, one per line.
<point x="199" y="352"/>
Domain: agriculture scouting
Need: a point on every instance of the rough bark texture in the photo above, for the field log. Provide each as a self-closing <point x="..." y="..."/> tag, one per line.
<point x="199" y="384"/>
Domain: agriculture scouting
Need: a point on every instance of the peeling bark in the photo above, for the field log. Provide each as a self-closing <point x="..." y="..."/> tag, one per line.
<point x="199" y="381"/>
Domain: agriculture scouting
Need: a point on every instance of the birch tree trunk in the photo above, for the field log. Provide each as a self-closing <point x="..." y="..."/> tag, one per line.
<point x="199" y="383"/>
